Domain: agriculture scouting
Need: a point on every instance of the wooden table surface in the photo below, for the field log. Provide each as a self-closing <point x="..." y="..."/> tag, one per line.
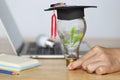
<point x="55" y="69"/>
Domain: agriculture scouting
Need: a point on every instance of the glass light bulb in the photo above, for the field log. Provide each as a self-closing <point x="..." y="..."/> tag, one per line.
<point x="71" y="33"/>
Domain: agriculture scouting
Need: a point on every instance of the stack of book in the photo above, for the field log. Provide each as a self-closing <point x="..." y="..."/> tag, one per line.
<point x="10" y="64"/>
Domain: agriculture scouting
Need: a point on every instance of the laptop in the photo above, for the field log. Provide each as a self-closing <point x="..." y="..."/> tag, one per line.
<point x="28" y="49"/>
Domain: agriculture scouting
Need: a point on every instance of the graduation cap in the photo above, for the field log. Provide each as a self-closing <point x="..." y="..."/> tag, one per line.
<point x="65" y="12"/>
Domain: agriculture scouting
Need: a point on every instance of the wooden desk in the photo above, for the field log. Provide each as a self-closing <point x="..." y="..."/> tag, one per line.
<point x="55" y="69"/>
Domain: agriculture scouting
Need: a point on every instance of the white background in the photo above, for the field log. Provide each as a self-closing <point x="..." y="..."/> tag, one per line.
<point x="32" y="20"/>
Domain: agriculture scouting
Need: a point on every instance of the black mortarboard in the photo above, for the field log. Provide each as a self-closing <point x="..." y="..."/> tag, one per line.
<point x="69" y="12"/>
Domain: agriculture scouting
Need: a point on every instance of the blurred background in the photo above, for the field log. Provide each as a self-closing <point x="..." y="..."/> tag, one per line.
<point x="32" y="20"/>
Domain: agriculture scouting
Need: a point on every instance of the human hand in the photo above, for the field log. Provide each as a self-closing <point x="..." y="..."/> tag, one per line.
<point x="99" y="60"/>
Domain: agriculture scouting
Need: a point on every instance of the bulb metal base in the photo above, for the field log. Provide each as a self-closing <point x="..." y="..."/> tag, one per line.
<point x="70" y="60"/>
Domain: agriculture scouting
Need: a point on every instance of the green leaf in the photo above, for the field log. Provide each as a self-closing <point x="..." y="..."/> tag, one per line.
<point x="73" y="31"/>
<point x="77" y="38"/>
<point x="65" y="41"/>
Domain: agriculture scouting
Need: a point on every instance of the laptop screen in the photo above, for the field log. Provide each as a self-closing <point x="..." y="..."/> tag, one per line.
<point x="10" y="25"/>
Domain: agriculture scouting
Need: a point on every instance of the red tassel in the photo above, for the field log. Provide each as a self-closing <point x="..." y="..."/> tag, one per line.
<point x="53" y="26"/>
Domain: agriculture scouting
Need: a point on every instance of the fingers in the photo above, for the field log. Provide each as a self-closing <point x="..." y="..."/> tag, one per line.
<point x="99" y="59"/>
<point x="89" y="54"/>
<point x="94" y="66"/>
<point x="78" y="63"/>
<point x="102" y="70"/>
<point x="74" y="65"/>
<point x="90" y="60"/>
<point x="107" y="69"/>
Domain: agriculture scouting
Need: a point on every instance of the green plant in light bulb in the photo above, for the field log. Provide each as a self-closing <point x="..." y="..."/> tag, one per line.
<point x="73" y="36"/>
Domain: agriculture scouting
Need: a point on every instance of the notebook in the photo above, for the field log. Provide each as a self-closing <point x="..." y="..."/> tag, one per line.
<point x="16" y="63"/>
<point x="28" y="49"/>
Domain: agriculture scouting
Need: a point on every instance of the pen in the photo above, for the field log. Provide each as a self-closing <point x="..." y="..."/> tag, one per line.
<point x="9" y="72"/>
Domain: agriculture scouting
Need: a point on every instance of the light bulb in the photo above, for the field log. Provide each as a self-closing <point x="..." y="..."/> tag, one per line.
<point x="71" y="33"/>
<point x="44" y="41"/>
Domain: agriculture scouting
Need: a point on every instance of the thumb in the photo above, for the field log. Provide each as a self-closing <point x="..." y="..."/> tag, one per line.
<point x="75" y="64"/>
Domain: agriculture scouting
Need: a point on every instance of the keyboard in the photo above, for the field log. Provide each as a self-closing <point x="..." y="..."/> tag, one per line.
<point x="33" y="49"/>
